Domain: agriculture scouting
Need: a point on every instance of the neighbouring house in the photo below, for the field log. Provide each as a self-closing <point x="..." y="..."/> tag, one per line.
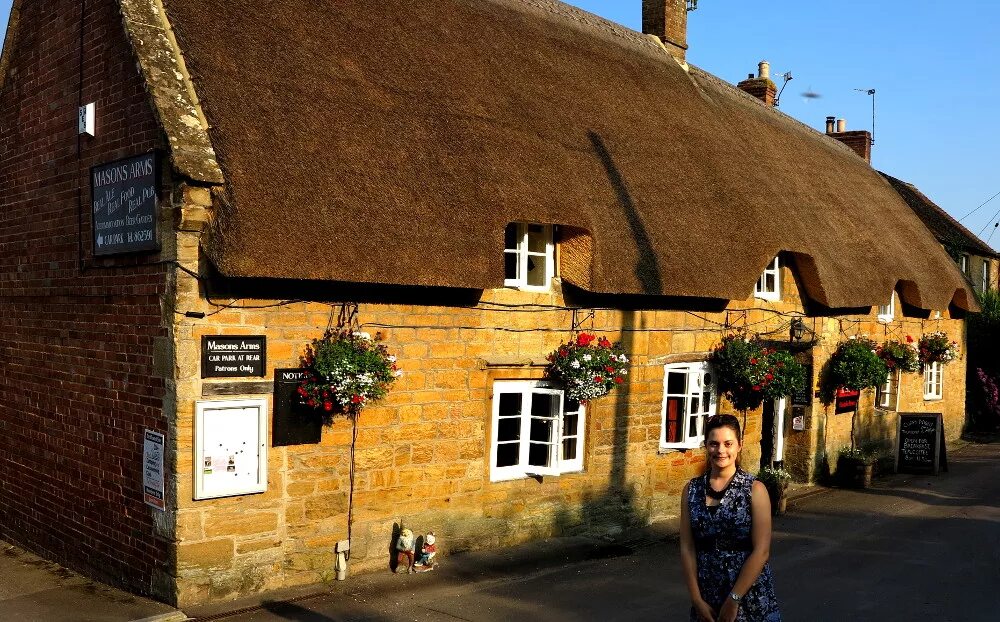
<point x="194" y="191"/>
<point x="975" y="258"/>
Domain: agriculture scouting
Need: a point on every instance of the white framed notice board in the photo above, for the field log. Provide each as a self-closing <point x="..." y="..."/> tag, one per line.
<point x="230" y="448"/>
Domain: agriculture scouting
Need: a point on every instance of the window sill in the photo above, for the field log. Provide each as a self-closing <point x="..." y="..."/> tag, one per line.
<point x="768" y="297"/>
<point x="499" y="479"/>
<point x="885" y="319"/>
<point x="534" y="289"/>
<point x="933" y="398"/>
<point x="662" y="451"/>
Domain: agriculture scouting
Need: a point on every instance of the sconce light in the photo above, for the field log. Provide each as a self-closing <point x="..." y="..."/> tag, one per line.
<point x="798" y="329"/>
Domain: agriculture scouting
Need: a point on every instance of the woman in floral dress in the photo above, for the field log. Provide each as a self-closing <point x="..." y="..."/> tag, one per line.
<point x="726" y="535"/>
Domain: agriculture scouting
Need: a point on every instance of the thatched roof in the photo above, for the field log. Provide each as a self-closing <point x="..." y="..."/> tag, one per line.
<point x="392" y="141"/>
<point x="945" y="228"/>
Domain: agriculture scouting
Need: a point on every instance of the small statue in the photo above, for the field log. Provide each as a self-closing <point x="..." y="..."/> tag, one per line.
<point x="427" y="552"/>
<point x="404" y="551"/>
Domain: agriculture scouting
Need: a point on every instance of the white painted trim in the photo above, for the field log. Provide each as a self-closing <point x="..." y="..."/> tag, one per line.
<point x="699" y="370"/>
<point x="887" y="313"/>
<point x="522" y="252"/>
<point x="933" y="379"/>
<point x="779" y="429"/>
<point x="773" y="268"/>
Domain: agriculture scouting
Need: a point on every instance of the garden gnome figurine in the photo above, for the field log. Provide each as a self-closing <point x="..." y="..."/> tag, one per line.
<point x="427" y="552"/>
<point x="404" y="548"/>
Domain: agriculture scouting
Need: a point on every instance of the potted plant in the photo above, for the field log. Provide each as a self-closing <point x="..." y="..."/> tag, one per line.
<point x="748" y="373"/>
<point x="776" y="481"/>
<point x="899" y="355"/>
<point x="345" y="371"/>
<point x="937" y="348"/>
<point x="588" y="367"/>
<point x="855" y="467"/>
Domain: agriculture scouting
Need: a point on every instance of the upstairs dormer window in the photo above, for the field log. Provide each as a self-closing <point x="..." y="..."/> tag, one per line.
<point x="529" y="256"/>
<point x="769" y="283"/>
<point x="887" y="313"/>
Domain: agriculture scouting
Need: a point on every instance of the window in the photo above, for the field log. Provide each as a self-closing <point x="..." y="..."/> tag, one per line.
<point x="536" y="431"/>
<point x="769" y="283"/>
<point x="886" y="313"/>
<point x="963" y="263"/>
<point x="688" y="399"/>
<point x="529" y="256"/>
<point x="933" y="381"/>
<point x="887" y="395"/>
<point x="986" y="275"/>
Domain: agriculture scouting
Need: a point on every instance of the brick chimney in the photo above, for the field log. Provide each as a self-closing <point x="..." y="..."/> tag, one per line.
<point x="859" y="140"/>
<point x="667" y="19"/>
<point x="760" y="86"/>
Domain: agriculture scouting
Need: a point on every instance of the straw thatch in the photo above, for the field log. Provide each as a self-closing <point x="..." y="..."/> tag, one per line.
<point x="392" y="141"/>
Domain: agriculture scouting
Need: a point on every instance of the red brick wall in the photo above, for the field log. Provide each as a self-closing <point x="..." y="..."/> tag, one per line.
<point x="77" y="380"/>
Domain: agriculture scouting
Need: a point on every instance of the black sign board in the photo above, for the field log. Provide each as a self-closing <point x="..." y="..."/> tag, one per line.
<point x="847" y="401"/>
<point x="293" y="423"/>
<point x="124" y="199"/>
<point x="804" y="396"/>
<point x="233" y="356"/>
<point x="920" y="443"/>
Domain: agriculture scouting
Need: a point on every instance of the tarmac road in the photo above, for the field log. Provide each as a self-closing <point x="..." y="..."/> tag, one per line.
<point x="911" y="548"/>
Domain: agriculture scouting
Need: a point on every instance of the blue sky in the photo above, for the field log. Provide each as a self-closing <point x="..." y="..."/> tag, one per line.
<point x="935" y="67"/>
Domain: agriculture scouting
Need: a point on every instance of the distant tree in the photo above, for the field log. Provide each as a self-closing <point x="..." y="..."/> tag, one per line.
<point x="983" y="364"/>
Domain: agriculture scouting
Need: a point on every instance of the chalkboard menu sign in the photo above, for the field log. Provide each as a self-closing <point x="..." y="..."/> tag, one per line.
<point x="847" y="401"/>
<point x="920" y="443"/>
<point x="293" y="423"/>
<point x="124" y="198"/>
<point x="804" y="396"/>
<point x="233" y="356"/>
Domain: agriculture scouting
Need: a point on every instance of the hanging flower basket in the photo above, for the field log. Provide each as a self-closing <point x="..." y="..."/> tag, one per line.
<point x="588" y="367"/>
<point x="898" y="355"/>
<point x="345" y="371"/>
<point x="937" y="348"/>
<point x="748" y="373"/>
<point x="855" y="365"/>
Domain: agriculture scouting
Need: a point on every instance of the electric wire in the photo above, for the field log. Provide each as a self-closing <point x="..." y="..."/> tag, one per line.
<point x="980" y="205"/>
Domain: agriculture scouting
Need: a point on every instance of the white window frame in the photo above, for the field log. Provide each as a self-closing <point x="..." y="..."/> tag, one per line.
<point x="963" y="263"/>
<point x="986" y="275"/>
<point x="558" y="466"/>
<point x="761" y="291"/>
<point x="887" y="313"/>
<point x="933" y="381"/>
<point x="696" y="371"/>
<point x="523" y="255"/>
<point x="888" y="390"/>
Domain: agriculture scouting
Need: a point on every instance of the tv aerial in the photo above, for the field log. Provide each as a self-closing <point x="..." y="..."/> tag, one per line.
<point x="787" y="76"/>
<point x="872" y="93"/>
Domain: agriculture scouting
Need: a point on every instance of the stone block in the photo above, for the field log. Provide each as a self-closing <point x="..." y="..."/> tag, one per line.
<point x="206" y="554"/>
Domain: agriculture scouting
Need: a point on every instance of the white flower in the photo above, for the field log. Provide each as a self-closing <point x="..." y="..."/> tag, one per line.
<point x="397" y="373"/>
<point x="391" y="358"/>
<point x="575" y="364"/>
<point x="622" y="372"/>
<point x="623" y="359"/>
<point x="363" y="335"/>
<point x="587" y="357"/>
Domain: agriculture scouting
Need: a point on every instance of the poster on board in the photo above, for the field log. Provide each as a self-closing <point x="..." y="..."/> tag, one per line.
<point x="152" y="473"/>
<point x="230" y="448"/>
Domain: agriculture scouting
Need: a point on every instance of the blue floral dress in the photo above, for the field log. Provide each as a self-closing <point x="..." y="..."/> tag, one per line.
<point x="722" y="543"/>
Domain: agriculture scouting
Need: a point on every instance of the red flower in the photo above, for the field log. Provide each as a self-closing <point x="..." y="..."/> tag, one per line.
<point x="770" y="376"/>
<point x="909" y="339"/>
<point x="355" y="399"/>
<point x="609" y="369"/>
<point x="753" y="361"/>
<point x="584" y="339"/>
<point x="303" y="392"/>
<point x="604" y="343"/>
<point x="563" y="351"/>
<point x="598" y="379"/>
<point x="311" y="403"/>
<point x="756" y="387"/>
<point x="619" y="380"/>
<point x="327" y="406"/>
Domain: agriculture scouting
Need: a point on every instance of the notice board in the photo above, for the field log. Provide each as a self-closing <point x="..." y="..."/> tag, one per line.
<point x="846" y="401"/>
<point x="124" y="197"/>
<point x="230" y="448"/>
<point x="920" y="443"/>
<point x="293" y="423"/>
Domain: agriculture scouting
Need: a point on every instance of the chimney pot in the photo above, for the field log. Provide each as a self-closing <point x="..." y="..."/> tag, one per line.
<point x="830" y="124"/>
<point x="841" y="125"/>
<point x="764" y="69"/>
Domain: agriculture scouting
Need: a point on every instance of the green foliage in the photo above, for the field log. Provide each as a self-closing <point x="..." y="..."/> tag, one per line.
<point x="774" y="477"/>
<point x="853" y="454"/>
<point x="588" y="366"/>
<point x="748" y="373"/>
<point x="345" y="371"/>
<point x="854" y="365"/>
<point x="900" y="355"/>
<point x="984" y="333"/>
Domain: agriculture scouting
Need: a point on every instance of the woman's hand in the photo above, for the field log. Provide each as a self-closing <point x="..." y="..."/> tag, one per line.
<point x="729" y="610"/>
<point x="704" y="611"/>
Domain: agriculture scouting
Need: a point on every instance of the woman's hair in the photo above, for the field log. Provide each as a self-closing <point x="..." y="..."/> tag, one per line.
<point x="723" y="421"/>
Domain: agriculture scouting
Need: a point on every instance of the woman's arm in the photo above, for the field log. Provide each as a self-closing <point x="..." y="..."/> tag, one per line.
<point x="689" y="561"/>
<point x="760" y="533"/>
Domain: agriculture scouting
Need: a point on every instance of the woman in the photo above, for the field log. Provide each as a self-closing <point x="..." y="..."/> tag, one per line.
<point x="726" y="535"/>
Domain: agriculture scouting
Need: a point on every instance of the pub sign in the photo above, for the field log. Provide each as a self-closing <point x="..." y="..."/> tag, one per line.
<point x="124" y="198"/>
<point x="233" y="356"/>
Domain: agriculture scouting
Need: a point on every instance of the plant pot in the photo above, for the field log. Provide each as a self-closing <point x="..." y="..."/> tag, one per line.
<point x="853" y="473"/>
<point x="779" y="501"/>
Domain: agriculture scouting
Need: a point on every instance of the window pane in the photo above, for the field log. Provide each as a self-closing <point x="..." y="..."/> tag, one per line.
<point x="706" y="400"/>
<point x="693" y="427"/>
<point x="695" y="405"/>
<point x="507" y="454"/>
<point x="510" y="404"/>
<point x="760" y="284"/>
<point x="570" y="424"/>
<point x="542" y="404"/>
<point x="510" y="237"/>
<point x="508" y="429"/>
<point x="511" y="265"/>
<point x="539" y="455"/>
<point x="676" y="383"/>
<point x="769" y="283"/>
<point x="672" y="424"/>
<point x="543" y="430"/>
<point x="571" y="406"/>
<point x="536" y="271"/>
<point x="569" y="449"/>
<point x="537" y="240"/>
